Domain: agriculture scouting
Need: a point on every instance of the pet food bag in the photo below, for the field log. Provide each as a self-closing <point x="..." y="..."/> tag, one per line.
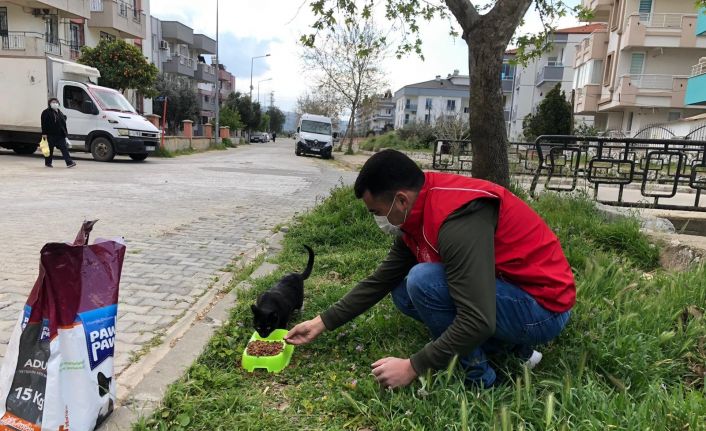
<point x="57" y="373"/>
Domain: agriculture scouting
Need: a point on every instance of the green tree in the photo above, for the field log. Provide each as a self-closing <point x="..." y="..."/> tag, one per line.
<point x="277" y="119"/>
<point x="553" y="116"/>
<point x="122" y="66"/>
<point x="487" y="28"/>
<point x="182" y="102"/>
<point x="264" y="122"/>
<point x="230" y="118"/>
<point x="249" y="113"/>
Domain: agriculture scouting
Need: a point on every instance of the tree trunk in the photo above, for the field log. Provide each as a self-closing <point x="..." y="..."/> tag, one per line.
<point x="349" y="149"/>
<point x="488" y="134"/>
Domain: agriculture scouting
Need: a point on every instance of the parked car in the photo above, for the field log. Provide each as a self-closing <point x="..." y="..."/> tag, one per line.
<point x="257" y="137"/>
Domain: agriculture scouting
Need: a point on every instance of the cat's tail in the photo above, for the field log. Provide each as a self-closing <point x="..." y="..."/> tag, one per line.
<point x="309" y="265"/>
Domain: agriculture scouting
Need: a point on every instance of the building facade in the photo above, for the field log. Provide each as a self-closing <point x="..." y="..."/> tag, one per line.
<point x="378" y="117"/>
<point x="425" y="102"/>
<point x="634" y="73"/>
<point x="534" y="80"/>
<point x="696" y="85"/>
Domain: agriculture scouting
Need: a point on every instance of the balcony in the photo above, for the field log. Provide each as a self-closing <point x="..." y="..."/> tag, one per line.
<point x="118" y="15"/>
<point x="180" y="65"/>
<point x="177" y="31"/>
<point x="507" y="85"/>
<point x="203" y="104"/>
<point x="600" y="8"/>
<point x="551" y="73"/>
<point x="586" y="99"/>
<point x="204" y="44"/>
<point x="67" y="8"/>
<point x="593" y="47"/>
<point x="701" y="22"/>
<point x="696" y="85"/>
<point x="661" y="30"/>
<point x="660" y="91"/>
<point x="205" y="73"/>
<point x="410" y="107"/>
<point x="34" y="44"/>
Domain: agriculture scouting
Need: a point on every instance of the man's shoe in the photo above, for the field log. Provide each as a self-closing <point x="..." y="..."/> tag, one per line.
<point x="48" y="166"/>
<point x="534" y="359"/>
<point x="71" y="165"/>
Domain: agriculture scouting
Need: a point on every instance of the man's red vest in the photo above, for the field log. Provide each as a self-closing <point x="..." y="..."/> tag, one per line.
<point x="527" y="253"/>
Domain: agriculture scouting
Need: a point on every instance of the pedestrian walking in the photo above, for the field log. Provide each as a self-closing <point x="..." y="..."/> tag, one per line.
<point x="274" y="137"/>
<point x="55" y="132"/>
<point x="471" y="261"/>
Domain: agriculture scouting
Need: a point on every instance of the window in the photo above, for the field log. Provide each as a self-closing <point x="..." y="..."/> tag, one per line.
<point x="407" y="103"/>
<point x="630" y="118"/>
<point x="74" y="98"/>
<point x="427" y="118"/>
<point x="465" y="110"/>
<point x="427" y="105"/>
<point x="51" y="29"/>
<point x="608" y="70"/>
<point x="596" y="71"/>
<point x="645" y="10"/>
<point x="450" y="105"/>
<point x="674" y="116"/>
<point x="637" y="63"/>
<point x="615" y="15"/>
<point x="406" y="118"/>
<point x="75" y="39"/>
<point x="508" y="71"/>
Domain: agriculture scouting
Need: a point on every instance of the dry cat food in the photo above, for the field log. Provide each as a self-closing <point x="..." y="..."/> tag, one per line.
<point x="265" y="348"/>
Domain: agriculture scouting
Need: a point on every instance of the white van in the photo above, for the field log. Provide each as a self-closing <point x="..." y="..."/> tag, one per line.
<point x="99" y="120"/>
<point x="314" y="136"/>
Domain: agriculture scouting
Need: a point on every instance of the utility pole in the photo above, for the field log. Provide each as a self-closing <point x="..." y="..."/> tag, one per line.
<point x="272" y="99"/>
<point x="218" y="86"/>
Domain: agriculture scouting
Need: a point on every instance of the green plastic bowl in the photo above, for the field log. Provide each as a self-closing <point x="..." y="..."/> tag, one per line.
<point x="273" y="364"/>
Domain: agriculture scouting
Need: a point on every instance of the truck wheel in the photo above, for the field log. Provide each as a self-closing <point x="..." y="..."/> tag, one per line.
<point x="25" y="149"/>
<point x="138" y="157"/>
<point x="102" y="149"/>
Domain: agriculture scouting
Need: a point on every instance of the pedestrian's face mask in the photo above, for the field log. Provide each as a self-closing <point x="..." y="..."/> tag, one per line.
<point x="384" y="222"/>
<point x="54" y="105"/>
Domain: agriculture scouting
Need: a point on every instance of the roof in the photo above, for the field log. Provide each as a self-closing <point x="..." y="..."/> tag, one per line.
<point x="582" y="29"/>
<point x="443" y="83"/>
<point x="512" y="51"/>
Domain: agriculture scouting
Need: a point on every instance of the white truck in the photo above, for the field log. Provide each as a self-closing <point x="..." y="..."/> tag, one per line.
<point x="99" y="120"/>
<point x="314" y="136"/>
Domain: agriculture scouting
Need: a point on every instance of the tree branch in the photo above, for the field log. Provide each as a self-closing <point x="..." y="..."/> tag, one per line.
<point x="465" y="13"/>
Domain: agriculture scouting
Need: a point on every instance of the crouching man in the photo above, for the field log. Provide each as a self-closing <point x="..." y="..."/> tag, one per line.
<point x="471" y="261"/>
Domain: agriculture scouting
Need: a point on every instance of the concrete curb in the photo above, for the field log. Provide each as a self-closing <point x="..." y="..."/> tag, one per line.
<point x="143" y="384"/>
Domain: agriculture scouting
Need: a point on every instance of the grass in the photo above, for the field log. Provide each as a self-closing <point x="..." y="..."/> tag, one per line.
<point x="632" y="357"/>
<point x="392" y="140"/>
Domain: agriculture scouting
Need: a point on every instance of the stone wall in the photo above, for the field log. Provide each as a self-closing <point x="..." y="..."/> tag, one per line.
<point x="177" y="143"/>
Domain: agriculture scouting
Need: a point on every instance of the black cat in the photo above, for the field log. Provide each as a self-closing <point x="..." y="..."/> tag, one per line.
<point x="275" y="306"/>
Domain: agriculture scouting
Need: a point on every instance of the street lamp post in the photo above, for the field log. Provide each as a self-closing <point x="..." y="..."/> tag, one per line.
<point x="258" y="88"/>
<point x="217" y="85"/>
<point x="252" y="60"/>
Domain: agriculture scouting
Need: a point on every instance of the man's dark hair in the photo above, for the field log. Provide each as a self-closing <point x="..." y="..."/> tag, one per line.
<point x="387" y="172"/>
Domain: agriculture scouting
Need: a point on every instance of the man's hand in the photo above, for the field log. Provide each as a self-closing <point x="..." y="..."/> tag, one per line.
<point x="305" y="332"/>
<point x="394" y="372"/>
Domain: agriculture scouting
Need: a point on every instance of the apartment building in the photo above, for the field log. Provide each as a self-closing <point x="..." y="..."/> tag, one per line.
<point x="378" y="118"/>
<point x="425" y="102"/>
<point x="181" y="54"/>
<point x="534" y="80"/>
<point x="634" y="73"/>
<point x="696" y="85"/>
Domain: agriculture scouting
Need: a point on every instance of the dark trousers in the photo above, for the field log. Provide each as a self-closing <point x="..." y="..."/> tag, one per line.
<point x="60" y="143"/>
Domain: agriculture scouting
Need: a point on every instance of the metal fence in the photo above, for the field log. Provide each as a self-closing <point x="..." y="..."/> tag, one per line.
<point x="632" y="172"/>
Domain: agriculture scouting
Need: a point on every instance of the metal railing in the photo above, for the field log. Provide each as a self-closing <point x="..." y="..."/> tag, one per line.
<point x="14" y="41"/>
<point x="630" y="172"/>
<point x="184" y="61"/>
<point x="653" y="82"/>
<point x="410" y="106"/>
<point x="52" y="46"/>
<point x="661" y="20"/>
<point x="698" y="69"/>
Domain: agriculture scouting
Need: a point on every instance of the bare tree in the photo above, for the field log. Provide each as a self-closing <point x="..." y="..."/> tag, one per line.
<point x="348" y="61"/>
<point x="453" y="127"/>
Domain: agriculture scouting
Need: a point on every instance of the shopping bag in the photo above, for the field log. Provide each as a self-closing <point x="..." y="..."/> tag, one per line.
<point x="57" y="373"/>
<point x="44" y="146"/>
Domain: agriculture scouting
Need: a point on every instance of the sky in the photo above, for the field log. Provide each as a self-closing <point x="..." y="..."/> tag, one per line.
<point x="249" y="28"/>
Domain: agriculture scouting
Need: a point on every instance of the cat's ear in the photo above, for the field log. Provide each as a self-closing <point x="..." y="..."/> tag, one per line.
<point x="255" y="310"/>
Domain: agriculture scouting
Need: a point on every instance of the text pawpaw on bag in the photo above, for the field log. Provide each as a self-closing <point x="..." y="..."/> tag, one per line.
<point x="57" y="373"/>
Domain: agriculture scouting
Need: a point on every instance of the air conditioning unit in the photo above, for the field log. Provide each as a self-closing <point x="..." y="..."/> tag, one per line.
<point x="163" y="44"/>
<point x="41" y="12"/>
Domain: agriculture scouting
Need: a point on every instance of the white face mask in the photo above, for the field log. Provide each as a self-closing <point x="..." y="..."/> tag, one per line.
<point x="384" y="223"/>
<point x="54" y="105"/>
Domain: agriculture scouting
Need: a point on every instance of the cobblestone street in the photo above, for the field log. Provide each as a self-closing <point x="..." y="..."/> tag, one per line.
<point x="183" y="219"/>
